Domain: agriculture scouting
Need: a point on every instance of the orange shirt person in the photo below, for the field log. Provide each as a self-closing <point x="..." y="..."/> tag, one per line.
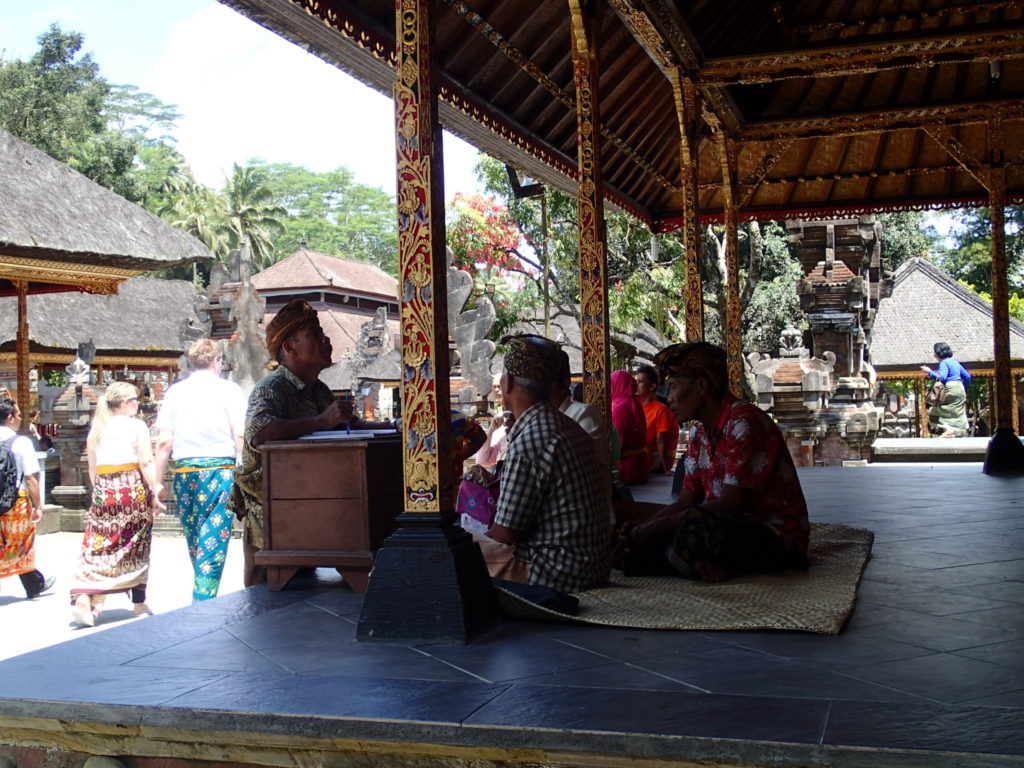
<point x="662" y="427"/>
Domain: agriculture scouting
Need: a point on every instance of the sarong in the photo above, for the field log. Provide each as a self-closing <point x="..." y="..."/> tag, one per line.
<point x="118" y="535"/>
<point x="737" y="544"/>
<point x="201" y="489"/>
<point x="952" y="414"/>
<point x="17" y="539"/>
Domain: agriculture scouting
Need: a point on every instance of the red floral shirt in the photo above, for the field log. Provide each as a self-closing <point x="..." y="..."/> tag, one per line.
<point x="745" y="449"/>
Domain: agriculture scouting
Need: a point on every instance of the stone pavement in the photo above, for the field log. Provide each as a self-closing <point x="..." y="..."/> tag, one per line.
<point x="47" y="621"/>
<point x="928" y="672"/>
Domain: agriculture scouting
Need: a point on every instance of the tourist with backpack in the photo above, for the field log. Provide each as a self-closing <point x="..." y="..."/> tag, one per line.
<point x="20" y="505"/>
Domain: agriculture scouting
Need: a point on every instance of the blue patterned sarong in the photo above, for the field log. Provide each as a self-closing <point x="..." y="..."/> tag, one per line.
<point x="201" y="488"/>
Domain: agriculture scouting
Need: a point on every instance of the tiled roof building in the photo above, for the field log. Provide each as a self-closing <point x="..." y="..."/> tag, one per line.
<point x="345" y="292"/>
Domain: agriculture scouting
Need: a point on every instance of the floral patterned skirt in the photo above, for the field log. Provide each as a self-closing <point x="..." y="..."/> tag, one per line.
<point x="118" y="535"/>
<point x="17" y="537"/>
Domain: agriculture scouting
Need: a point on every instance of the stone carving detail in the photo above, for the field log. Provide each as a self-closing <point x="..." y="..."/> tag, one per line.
<point x="469" y="329"/>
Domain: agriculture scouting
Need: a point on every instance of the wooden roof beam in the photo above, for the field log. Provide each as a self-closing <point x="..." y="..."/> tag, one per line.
<point x="663" y="35"/>
<point x="840" y="124"/>
<point x="842" y="26"/>
<point x="841" y="60"/>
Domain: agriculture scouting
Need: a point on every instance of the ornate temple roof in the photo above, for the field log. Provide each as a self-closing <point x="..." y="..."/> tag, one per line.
<point x="147" y="318"/>
<point x="928" y="306"/>
<point x="320" y="271"/>
<point x="835" y="107"/>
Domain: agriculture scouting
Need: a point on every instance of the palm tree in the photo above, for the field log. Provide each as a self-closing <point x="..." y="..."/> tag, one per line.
<point x="198" y="210"/>
<point x="252" y="215"/>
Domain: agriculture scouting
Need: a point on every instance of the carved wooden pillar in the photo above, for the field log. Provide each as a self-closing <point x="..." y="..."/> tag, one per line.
<point x="1005" y="453"/>
<point x="685" y="97"/>
<point x="21" y="352"/>
<point x="429" y="580"/>
<point x="922" y="408"/>
<point x="733" y="311"/>
<point x="590" y="201"/>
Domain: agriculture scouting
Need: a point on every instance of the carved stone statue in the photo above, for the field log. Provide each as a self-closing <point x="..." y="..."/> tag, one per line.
<point x="469" y="329"/>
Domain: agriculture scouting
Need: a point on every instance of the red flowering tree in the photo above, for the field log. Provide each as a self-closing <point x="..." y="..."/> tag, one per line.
<point x="482" y="235"/>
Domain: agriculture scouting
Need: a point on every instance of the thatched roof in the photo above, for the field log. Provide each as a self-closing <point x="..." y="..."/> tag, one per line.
<point x="147" y="316"/>
<point x="55" y="215"/>
<point x="927" y="306"/>
<point x="312" y="270"/>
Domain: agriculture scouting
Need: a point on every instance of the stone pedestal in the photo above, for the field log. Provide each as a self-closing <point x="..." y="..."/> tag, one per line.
<point x="429" y="582"/>
<point x="1005" y="455"/>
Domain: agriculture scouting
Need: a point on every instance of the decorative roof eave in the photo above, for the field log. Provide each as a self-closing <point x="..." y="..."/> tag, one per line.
<point x="977" y="369"/>
<point x="52" y="276"/>
<point x="344" y="40"/>
<point x="675" y="222"/>
<point x="852" y="123"/>
<point x="866" y="56"/>
<point x="140" y="360"/>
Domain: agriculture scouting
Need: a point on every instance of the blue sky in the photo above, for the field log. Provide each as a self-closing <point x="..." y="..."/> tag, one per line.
<point x="243" y="91"/>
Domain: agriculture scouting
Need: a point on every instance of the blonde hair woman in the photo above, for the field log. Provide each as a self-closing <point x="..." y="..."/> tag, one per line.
<point x="119" y="522"/>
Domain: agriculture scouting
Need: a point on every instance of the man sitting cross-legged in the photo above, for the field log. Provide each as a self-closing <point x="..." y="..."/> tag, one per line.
<point x="551" y="526"/>
<point x="741" y="509"/>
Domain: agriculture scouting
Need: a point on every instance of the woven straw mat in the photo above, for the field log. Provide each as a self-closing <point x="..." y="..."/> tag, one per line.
<point x="817" y="600"/>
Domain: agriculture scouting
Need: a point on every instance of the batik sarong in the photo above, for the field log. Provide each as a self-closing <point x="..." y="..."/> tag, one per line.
<point x="118" y="535"/>
<point x="952" y="414"/>
<point x="17" y="539"/>
<point x="201" y="489"/>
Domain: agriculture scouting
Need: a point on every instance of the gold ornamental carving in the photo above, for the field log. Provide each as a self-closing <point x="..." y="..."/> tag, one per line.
<point x="593" y="269"/>
<point x="425" y="489"/>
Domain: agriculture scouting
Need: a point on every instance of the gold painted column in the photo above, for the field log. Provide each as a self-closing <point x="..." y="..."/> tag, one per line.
<point x="1002" y="407"/>
<point x="1005" y="454"/>
<point x="21" y="365"/>
<point x="733" y="311"/>
<point x="429" y="580"/>
<point x="685" y="98"/>
<point x="590" y="202"/>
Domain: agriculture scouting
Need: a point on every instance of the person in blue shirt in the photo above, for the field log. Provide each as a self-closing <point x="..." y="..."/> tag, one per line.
<point x="949" y="418"/>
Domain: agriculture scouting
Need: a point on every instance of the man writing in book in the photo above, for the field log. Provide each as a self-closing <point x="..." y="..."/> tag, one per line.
<point x="287" y="403"/>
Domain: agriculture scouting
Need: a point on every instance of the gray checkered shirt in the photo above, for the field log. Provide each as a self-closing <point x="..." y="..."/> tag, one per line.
<point x="552" y="494"/>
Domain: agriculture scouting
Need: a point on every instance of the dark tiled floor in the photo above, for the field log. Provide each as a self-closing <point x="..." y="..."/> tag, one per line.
<point x="931" y="661"/>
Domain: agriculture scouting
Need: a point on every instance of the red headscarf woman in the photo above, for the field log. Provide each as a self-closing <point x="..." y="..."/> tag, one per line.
<point x="631" y="424"/>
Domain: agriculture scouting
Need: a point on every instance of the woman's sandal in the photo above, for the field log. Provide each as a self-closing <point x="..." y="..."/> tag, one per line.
<point x="82" y="611"/>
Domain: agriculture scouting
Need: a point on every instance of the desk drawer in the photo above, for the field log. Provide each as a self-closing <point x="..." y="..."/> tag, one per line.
<point x="316" y="475"/>
<point x="319" y="524"/>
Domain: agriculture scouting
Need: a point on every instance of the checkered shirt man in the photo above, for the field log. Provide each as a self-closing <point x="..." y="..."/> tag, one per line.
<point x="551" y="493"/>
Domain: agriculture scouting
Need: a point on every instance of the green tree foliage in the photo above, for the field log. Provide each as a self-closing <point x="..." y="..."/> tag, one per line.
<point x="57" y="102"/>
<point x="332" y="213"/>
<point x="254" y="219"/>
<point x="970" y="260"/>
<point x="906" y="236"/>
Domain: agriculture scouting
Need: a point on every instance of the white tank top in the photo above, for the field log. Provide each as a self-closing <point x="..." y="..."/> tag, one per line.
<point x="118" y="443"/>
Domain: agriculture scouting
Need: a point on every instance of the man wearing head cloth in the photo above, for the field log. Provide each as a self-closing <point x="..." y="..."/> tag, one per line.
<point x="286" y="404"/>
<point x="741" y="508"/>
<point x="551" y="526"/>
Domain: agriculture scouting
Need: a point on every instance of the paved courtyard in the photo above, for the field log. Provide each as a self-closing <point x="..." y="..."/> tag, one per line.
<point x="929" y="671"/>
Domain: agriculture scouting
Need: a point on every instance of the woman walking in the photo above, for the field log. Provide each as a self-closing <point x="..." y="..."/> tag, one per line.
<point x="18" y="524"/>
<point x="119" y="522"/>
<point x="949" y="418"/>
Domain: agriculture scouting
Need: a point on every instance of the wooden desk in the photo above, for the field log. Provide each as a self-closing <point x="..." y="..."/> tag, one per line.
<point x="328" y="503"/>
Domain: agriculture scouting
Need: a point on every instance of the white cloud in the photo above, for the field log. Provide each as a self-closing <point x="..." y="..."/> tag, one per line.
<point x="244" y="92"/>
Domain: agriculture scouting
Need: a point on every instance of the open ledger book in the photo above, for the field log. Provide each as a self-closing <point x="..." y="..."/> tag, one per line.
<point x="341" y="434"/>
